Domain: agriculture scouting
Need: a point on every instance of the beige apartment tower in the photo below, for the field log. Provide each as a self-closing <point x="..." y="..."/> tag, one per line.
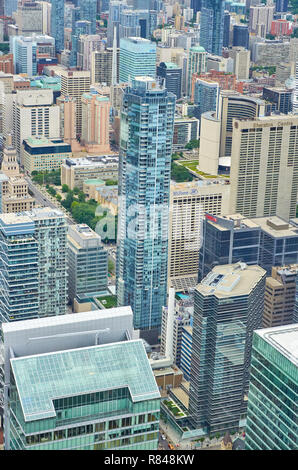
<point x="188" y="204"/>
<point x="280" y="292"/>
<point x="68" y="121"/>
<point x="74" y="84"/>
<point x="264" y="167"/>
<point x="95" y="123"/>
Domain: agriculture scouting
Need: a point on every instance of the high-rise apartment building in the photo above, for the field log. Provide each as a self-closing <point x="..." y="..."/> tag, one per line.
<point x="74" y="84"/>
<point x="87" y="43"/>
<point x="68" y="120"/>
<point x="102" y="65"/>
<point x="87" y="262"/>
<point x="206" y="95"/>
<point x="95" y="123"/>
<point x="196" y="64"/>
<point x="147" y="119"/>
<point x="266" y="241"/>
<point x="88" y="10"/>
<point x="212" y="26"/>
<point x="34" y="114"/>
<point x="264" y="162"/>
<point x="260" y="19"/>
<point x="295" y="94"/>
<point x="280" y="292"/>
<point x="228" y="307"/>
<point x="241" y="58"/>
<point x="97" y="390"/>
<point x="33" y="255"/>
<point x="188" y="204"/>
<point x="272" y="397"/>
<point x="57" y="23"/>
<point x="137" y="58"/>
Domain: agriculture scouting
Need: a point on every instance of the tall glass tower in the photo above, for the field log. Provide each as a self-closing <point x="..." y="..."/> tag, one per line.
<point x="147" y="119"/>
<point x="88" y="12"/>
<point x="212" y="25"/>
<point x="57" y="23"/>
<point x="272" y="398"/>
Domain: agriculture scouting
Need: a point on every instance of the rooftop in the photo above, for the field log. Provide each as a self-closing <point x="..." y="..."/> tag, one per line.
<point x="231" y="280"/>
<point x="42" y="378"/>
<point x="284" y="339"/>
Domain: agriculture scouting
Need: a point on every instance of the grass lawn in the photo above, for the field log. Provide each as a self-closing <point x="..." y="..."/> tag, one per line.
<point x="192" y="165"/>
<point x="108" y="301"/>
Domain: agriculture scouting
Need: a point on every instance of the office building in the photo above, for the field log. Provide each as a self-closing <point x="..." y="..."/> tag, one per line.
<point x="87" y="262"/>
<point x="95" y="123"/>
<point x="240" y="36"/>
<point x="270" y="53"/>
<point x="102" y="65"/>
<point x="33" y="254"/>
<point x="281" y="99"/>
<point x="99" y="363"/>
<point x="212" y="26"/>
<point x="196" y="64"/>
<point x="10" y="6"/>
<point x="115" y="9"/>
<point x="280" y="292"/>
<point x="88" y="10"/>
<point x="226" y="29"/>
<point x="34" y="114"/>
<point x="87" y="43"/>
<point x="57" y="23"/>
<point x="217" y="128"/>
<point x="272" y="397"/>
<point x="186" y="348"/>
<point x="188" y="204"/>
<point x="29" y="18"/>
<point x="172" y="74"/>
<point x="76" y="170"/>
<point x="43" y="154"/>
<point x="24" y="51"/>
<point x="295" y="94"/>
<point x="281" y="6"/>
<point x="74" y="84"/>
<point x="137" y="58"/>
<point x="268" y="146"/>
<point x="241" y="58"/>
<point x="206" y="94"/>
<point x="144" y="190"/>
<point x="266" y="241"/>
<point x="137" y="23"/>
<point x="228" y="307"/>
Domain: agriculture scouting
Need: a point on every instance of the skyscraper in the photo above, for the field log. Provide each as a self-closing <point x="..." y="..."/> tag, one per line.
<point x="212" y="26"/>
<point x="172" y="75"/>
<point x="88" y="12"/>
<point x="196" y="63"/>
<point x="147" y="119"/>
<point x="264" y="178"/>
<point x="57" y="23"/>
<point x="272" y="397"/>
<point x="33" y="255"/>
<point x="137" y="58"/>
<point x="240" y="36"/>
<point x="228" y="307"/>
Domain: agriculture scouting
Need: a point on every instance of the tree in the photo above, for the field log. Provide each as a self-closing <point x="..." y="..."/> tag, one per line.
<point x="65" y="188"/>
<point x="58" y="197"/>
<point x="68" y="200"/>
<point x="111" y="182"/>
<point x="76" y="190"/>
<point x="81" y="196"/>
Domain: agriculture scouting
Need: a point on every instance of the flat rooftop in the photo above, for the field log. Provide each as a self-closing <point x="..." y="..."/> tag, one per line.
<point x="92" y="162"/>
<point x="231" y="280"/>
<point x="42" y="378"/>
<point x="284" y="339"/>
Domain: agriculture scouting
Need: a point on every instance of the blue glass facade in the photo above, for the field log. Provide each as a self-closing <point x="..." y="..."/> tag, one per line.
<point x="137" y="58"/>
<point x="221" y="347"/>
<point x="212" y="25"/>
<point x="147" y="119"/>
<point x="273" y="391"/>
<point x="88" y="10"/>
<point x="206" y="95"/>
<point x="57" y="23"/>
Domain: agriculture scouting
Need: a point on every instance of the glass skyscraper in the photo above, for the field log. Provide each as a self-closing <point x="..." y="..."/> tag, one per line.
<point x="147" y="119"/>
<point x="88" y="10"/>
<point x="33" y="271"/>
<point x="272" y="399"/>
<point x="57" y="23"/>
<point x="137" y="58"/>
<point x="228" y="306"/>
<point x="212" y="26"/>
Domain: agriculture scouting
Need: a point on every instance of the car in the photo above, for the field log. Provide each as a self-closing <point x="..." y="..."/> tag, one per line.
<point x="171" y="447"/>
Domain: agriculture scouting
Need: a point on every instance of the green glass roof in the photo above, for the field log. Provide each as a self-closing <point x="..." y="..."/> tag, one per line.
<point x="44" y="377"/>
